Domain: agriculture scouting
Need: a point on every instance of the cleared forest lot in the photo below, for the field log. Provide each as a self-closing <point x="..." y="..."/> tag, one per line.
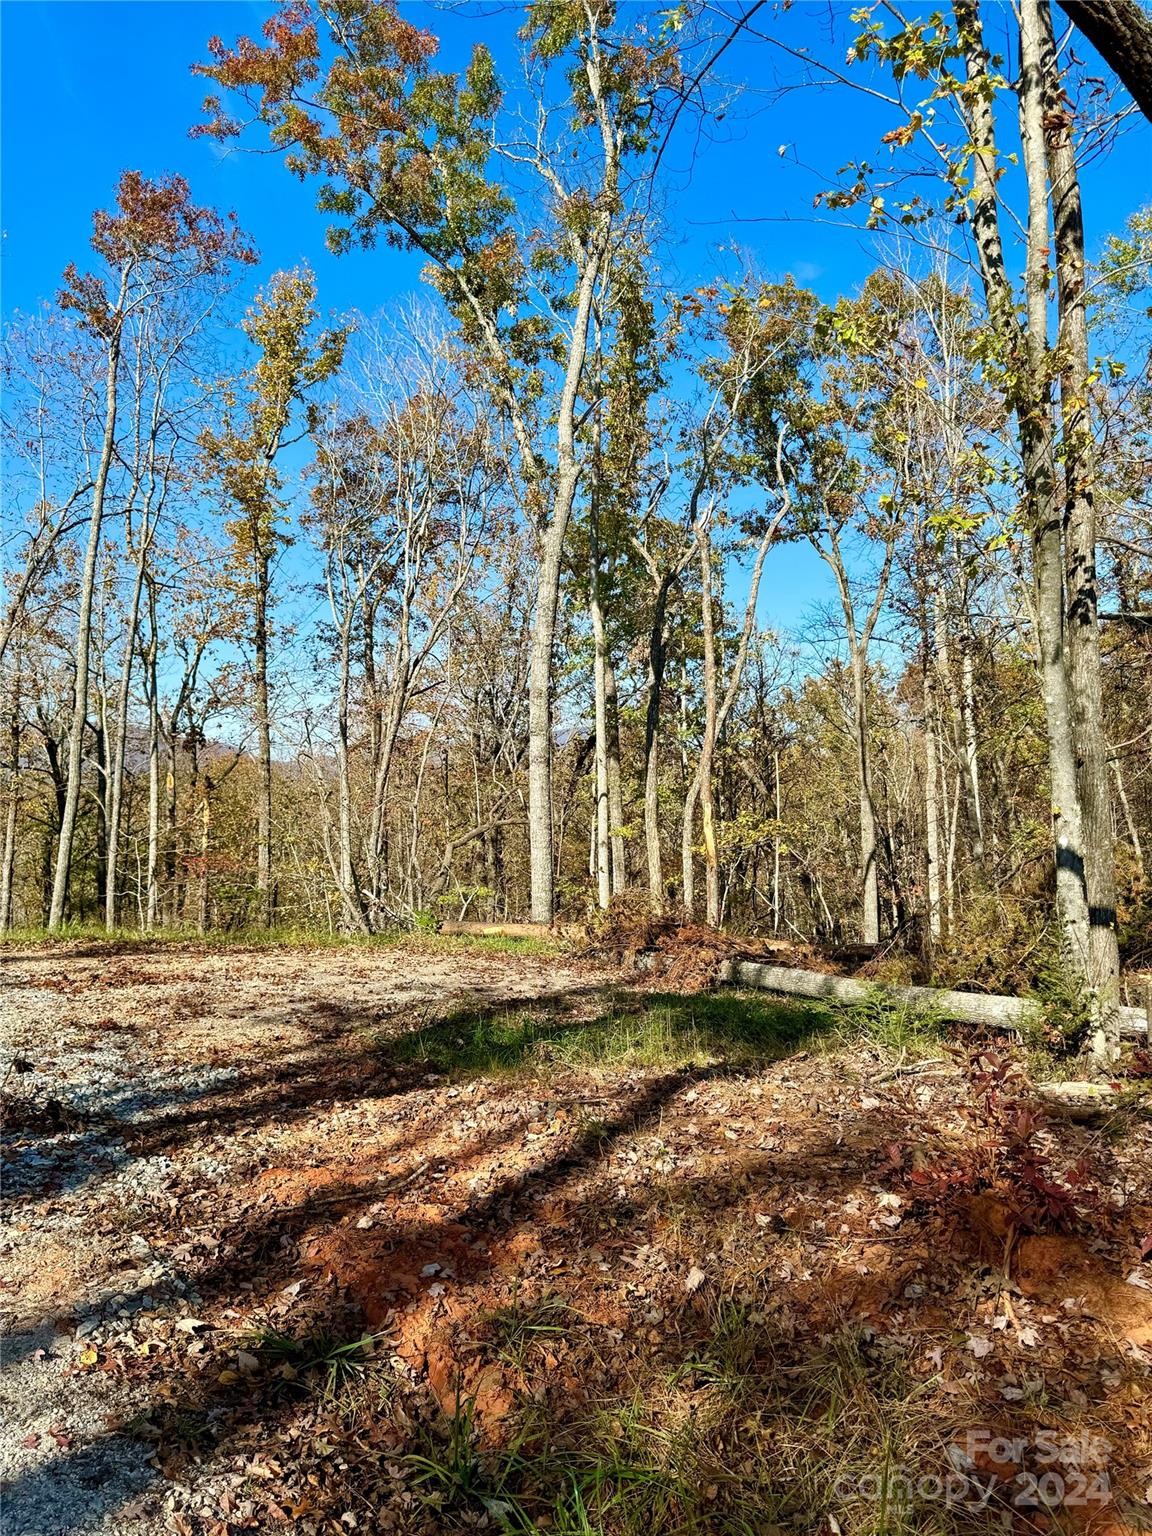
<point x="451" y="1236"/>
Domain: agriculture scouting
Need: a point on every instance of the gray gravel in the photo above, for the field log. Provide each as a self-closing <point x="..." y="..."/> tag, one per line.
<point x="115" y="1040"/>
<point x="68" y="1461"/>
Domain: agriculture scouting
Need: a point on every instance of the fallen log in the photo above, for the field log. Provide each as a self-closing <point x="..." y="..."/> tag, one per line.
<point x="1079" y="1101"/>
<point x="987" y="1009"/>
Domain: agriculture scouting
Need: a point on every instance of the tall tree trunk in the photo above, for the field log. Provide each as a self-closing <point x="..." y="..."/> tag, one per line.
<point x="776" y="914"/>
<point x="707" y="789"/>
<point x="56" y="772"/>
<point x="615" y="784"/>
<point x="264" y="739"/>
<point x="931" y="797"/>
<point x="657" y="658"/>
<point x="350" y="894"/>
<point x="859" y="638"/>
<point x="552" y="535"/>
<point x="1082" y="633"/>
<point x="716" y="711"/>
<point x="152" y="899"/>
<point x="540" y="847"/>
<point x="971" y="756"/>
<point x="963" y="727"/>
<point x="120" y="741"/>
<point x="202" y="894"/>
<point x="84" y="624"/>
<point x="1030" y="396"/>
<point x="8" y="862"/>
<point x="869" y="849"/>
<point x="1045" y="518"/>
<point x="688" y="846"/>
<point x="170" y="847"/>
<point x="100" y="759"/>
<point x="601" y="839"/>
<point x="387" y="736"/>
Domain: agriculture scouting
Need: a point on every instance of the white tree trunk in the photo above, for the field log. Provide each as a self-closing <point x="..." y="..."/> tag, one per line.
<point x="71" y="807"/>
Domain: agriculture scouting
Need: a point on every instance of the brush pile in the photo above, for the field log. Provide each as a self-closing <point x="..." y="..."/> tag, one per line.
<point x="675" y="953"/>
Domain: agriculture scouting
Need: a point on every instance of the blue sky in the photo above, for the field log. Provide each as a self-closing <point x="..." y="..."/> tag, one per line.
<point x="91" y="88"/>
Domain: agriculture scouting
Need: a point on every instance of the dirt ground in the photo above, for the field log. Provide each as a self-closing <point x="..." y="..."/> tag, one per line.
<point x="446" y="1239"/>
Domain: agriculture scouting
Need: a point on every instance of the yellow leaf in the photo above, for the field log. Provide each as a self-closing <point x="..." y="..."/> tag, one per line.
<point x="89" y="1356"/>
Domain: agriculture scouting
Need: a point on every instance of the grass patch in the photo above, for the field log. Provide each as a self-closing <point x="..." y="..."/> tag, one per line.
<point x="663" y="1032"/>
<point x="659" y="1032"/>
<point x="134" y="941"/>
<point x="755" y="1436"/>
<point x="899" y="1028"/>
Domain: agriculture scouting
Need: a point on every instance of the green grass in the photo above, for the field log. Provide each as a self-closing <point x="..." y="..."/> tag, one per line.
<point x="902" y="1029"/>
<point x="314" y="1362"/>
<point x="756" y="1436"/>
<point x="291" y="936"/>
<point x="659" y="1032"/>
<point x="520" y="1329"/>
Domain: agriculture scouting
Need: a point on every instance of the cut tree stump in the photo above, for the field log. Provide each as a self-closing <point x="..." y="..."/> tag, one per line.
<point x="987" y="1009"/>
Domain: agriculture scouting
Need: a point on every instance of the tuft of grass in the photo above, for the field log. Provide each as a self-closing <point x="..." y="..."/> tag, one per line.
<point x="453" y="1476"/>
<point x="728" y="1359"/>
<point x="523" y="1326"/>
<point x="760" y="1434"/>
<point x="316" y="1362"/>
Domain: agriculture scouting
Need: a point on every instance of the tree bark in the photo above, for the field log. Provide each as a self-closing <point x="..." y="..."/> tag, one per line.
<point x="591" y="266"/>
<point x="153" y="866"/>
<point x="1121" y="33"/>
<point x="615" y="785"/>
<point x="657" y="658"/>
<point x="971" y="756"/>
<point x="931" y="799"/>
<point x="869" y="849"/>
<point x="8" y="863"/>
<point x="1035" y="418"/>
<point x="687" y="847"/>
<point x="203" y="888"/>
<point x="262" y="575"/>
<point x="708" y="743"/>
<point x="1082" y="632"/>
<point x="602" y="842"/>
<point x="1030" y="397"/>
<point x="119" y="743"/>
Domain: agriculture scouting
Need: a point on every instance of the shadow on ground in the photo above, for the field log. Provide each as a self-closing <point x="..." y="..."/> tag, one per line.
<point x="551" y="1341"/>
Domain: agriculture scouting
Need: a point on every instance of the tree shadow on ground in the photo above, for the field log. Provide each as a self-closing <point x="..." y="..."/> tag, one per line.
<point x="429" y="1253"/>
<point x="266" y="1245"/>
<point x="347" y="1056"/>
